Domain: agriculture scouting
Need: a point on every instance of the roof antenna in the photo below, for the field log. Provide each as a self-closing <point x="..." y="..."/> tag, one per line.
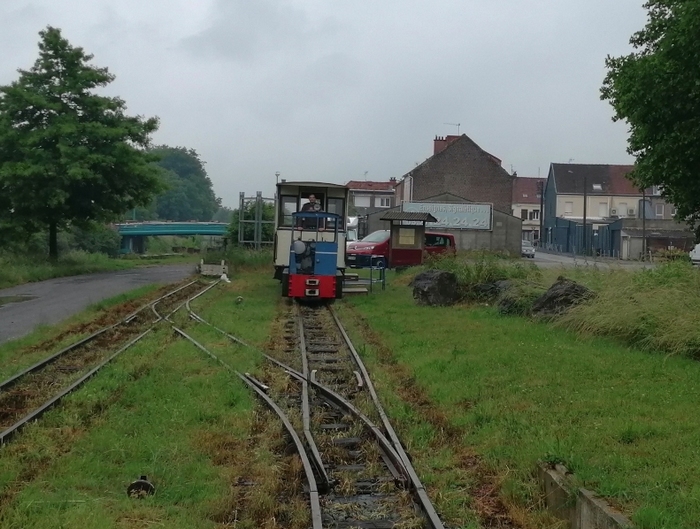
<point x="454" y="125"/>
<point x="366" y="175"/>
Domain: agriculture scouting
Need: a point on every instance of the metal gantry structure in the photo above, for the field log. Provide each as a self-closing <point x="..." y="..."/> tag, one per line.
<point x="251" y="220"/>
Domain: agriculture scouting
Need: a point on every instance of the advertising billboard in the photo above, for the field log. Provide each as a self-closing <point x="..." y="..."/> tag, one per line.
<point x="469" y="216"/>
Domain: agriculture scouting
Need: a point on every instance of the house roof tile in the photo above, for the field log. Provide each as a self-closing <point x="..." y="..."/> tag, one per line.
<point x="599" y="179"/>
<point x="364" y="185"/>
<point x="525" y="190"/>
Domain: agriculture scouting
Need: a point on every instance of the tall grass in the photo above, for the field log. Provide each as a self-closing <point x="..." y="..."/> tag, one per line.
<point x="479" y="269"/>
<point x="653" y="309"/>
<point x="243" y="258"/>
<point x="15" y="270"/>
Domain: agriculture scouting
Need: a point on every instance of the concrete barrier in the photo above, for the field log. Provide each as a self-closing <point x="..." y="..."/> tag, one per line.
<point x="581" y="508"/>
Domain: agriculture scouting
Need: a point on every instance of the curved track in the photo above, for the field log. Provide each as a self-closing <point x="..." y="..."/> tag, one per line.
<point x="362" y="475"/>
<point x="27" y="395"/>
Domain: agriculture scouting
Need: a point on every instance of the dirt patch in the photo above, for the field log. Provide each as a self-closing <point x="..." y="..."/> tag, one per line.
<point x="485" y="486"/>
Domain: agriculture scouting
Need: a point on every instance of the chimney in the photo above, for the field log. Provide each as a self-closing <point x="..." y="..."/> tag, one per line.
<point x="440" y="143"/>
<point x="392" y="179"/>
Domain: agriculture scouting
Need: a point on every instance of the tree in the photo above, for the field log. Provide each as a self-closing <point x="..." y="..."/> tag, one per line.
<point x="656" y="89"/>
<point x="190" y="195"/>
<point x="67" y="155"/>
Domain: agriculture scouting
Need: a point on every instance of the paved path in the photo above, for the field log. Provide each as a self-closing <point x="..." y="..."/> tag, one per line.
<point x="24" y="307"/>
<point x="554" y="260"/>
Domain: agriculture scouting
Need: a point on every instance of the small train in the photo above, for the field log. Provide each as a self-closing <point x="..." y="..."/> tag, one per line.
<point x="309" y="244"/>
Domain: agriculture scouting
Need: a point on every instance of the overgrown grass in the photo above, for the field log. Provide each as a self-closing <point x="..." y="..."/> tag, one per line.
<point x="477" y="269"/>
<point x="18" y="354"/>
<point x="15" y="270"/>
<point x="240" y="258"/>
<point x="166" y="410"/>
<point x="520" y="392"/>
<point x="654" y="310"/>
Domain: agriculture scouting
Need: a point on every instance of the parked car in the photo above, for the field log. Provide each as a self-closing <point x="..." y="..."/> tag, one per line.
<point x="528" y="250"/>
<point x="695" y="255"/>
<point x="374" y="249"/>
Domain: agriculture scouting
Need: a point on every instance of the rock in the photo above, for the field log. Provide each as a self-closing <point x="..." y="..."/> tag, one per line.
<point x="436" y="287"/>
<point x="561" y="296"/>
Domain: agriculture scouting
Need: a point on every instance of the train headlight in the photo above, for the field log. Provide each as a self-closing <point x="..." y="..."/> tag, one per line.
<point x="298" y="247"/>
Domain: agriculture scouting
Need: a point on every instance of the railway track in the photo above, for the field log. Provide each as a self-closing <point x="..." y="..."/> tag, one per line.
<point x="30" y="393"/>
<point x="358" y="473"/>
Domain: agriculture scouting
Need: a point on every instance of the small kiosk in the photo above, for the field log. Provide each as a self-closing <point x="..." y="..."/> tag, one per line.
<point x="407" y="237"/>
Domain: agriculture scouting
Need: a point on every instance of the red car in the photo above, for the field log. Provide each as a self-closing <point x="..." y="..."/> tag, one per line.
<point x="374" y="249"/>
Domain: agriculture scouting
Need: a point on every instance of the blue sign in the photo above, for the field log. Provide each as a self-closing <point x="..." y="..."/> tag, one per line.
<point x="453" y="216"/>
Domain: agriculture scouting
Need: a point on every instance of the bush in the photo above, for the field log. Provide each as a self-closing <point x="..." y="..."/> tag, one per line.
<point x="482" y="268"/>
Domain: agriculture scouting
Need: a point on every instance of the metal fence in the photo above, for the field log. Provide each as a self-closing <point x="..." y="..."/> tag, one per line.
<point x="256" y="220"/>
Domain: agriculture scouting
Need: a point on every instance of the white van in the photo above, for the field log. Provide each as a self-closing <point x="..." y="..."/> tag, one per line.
<point x="695" y="255"/>
<point x="351" y="230"/>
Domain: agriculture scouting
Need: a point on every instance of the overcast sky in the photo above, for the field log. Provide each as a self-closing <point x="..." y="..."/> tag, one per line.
<point x="330" y="90"/>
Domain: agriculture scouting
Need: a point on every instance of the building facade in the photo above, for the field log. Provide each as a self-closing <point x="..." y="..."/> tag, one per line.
<point x="367" y="197"/>
<point x="581" y="199"/>
<point x="527" y="205"/>
<point x="459" y="166"/>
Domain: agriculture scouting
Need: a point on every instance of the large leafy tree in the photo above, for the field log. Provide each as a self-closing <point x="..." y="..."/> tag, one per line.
<point x="656" y="89"/>
<point x="69" y="156"/>
<point x="190" y="195"/>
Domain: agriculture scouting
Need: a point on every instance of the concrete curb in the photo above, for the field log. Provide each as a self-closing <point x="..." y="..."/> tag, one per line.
<point x="581" y="508"/>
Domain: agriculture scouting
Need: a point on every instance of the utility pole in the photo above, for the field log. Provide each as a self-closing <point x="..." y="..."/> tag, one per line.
<point x="540" y="185"/>
<point x="644" y="224"/>
<point x="585" y="204"/>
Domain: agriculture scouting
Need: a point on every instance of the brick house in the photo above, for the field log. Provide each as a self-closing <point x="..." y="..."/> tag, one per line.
<point x="459" y="166"/>
<point x="367" y="197"/>
<point x="527" y="204"/>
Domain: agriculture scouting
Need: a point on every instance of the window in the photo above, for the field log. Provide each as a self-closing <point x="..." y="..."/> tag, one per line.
<point x="674" y="210"/>
<point x="568" y="208"/>
<point x="362" y="201"/>
<point x="657" y="190"/>
<point x="660" y="210"/>
<point x="435" y="240"/>
<point x="523" y="214"/>
<point x="622" y="209"/>
<point x="382" y="202"/>
<point x="288" y="206"/>
<point x="602" y="209"/>
<point x="524" y="195"/>
<point x="337" y="206"/>
<point x="535" y="214"/>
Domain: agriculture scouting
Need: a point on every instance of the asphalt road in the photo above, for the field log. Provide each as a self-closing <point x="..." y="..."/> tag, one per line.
<point x="24" y="307"/>
<point x="551" y="260"/>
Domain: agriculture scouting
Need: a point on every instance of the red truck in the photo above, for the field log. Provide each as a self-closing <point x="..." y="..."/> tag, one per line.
<point x="374" y="249"/>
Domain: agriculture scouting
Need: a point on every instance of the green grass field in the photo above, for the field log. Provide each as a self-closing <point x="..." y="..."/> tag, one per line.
<point x="518" y="392"/>
<point x="162" y="409"/>
<point x="478" y="398"/>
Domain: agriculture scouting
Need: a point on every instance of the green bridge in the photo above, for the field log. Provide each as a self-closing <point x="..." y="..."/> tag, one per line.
<point x="133" y="233"/>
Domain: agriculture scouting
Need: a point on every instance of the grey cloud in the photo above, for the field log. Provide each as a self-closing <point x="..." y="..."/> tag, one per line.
<point x="245" y="30"/>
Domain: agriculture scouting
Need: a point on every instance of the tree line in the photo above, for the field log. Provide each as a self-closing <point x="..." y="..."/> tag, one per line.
<point x="73" y="159"/>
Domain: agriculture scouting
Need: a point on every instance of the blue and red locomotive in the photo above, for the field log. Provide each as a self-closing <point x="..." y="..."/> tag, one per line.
<point x="309" y="249"/>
